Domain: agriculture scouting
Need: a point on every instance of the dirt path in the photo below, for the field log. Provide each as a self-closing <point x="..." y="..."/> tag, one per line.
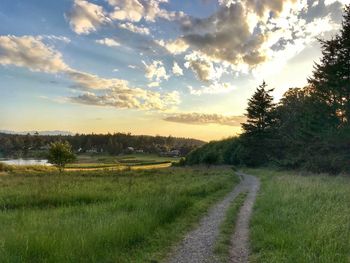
<point x="198" y="245"/>
<point x="240" y="240"/>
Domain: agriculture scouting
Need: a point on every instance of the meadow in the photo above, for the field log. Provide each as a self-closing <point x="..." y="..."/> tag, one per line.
<point x="103" y="215"/>
<point x="98" y="161"/>
<point x="301" y="218"/>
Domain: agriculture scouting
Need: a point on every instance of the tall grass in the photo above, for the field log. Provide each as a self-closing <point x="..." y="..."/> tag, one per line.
<point x="103" y="216"/>
<point x="301" y="218"/>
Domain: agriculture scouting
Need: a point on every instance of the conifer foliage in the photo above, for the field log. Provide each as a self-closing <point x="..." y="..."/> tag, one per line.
<point x="309" y="128"/>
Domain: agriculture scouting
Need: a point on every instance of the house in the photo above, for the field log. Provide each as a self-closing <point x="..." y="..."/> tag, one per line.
<point x="92" y="150"/>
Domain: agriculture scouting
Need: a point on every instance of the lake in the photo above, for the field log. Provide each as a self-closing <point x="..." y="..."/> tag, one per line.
<point x="21" y="161"/>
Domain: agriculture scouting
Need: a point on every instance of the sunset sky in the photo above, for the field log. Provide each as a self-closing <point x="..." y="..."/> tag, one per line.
<point x="166" y="67"/>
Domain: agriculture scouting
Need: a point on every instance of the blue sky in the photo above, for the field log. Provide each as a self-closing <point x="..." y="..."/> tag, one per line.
<point x="182" y="68"/>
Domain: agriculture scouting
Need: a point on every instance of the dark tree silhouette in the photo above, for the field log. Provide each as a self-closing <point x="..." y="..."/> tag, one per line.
<point x="259" y="112"/>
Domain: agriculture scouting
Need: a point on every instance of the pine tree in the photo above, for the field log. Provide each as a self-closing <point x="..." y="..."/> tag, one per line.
<point x="344" y="61"/>
<point x="258" y="136"/>
<point x="331" y="77"/>
<point x="259" y="112"/>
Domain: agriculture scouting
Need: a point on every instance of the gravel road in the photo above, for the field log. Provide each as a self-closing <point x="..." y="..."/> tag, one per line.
<point x="198" y="245"/>
<point x="240" y="239"/>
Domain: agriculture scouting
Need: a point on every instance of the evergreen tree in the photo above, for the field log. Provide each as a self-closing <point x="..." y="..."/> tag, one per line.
<point x="331" y="76"/>
<point x="259" y="112"/>
<point x="344" y="58"/>
<point x="257" y="139"/>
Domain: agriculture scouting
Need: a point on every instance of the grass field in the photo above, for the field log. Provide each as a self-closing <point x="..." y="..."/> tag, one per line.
<point x="120" y="162"/>
<point x="103" y="216"/>
<point x="301" y="218"/>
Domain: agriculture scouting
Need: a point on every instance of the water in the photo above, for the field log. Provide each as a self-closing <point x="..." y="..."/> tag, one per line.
<point x="21" y="161"/>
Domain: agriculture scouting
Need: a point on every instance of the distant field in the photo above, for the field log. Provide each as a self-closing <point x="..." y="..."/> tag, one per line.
<point x="141" y="157"/>
<point x="103" y="216"/>
<point x="119" y="162"/>
<point x="301" y="218"/>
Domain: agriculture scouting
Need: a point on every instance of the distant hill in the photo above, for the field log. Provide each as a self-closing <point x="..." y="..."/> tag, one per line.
<point x="52" y="133"/>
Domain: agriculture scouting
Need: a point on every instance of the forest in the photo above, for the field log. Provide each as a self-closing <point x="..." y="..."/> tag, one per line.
<point x="35" y="145"/>
<point x="309" y="128"/>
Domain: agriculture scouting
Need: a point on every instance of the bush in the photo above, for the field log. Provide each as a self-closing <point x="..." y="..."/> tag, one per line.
<point x="5" y="167"/>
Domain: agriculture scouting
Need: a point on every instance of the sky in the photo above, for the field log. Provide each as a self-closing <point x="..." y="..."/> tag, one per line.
<point x="156" y="67"/>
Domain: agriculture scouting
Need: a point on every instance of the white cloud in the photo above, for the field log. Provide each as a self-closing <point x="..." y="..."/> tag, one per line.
<point x="129" y="98"/>
<point x="131" y="10"/>
<point x="30" y="52"/>
<point x="134" y="28"/>
<point x="205" y="118"/>
<point x="176" y="46"/>
<point x="155" y="71"/>
<point x="55" y="38"/>
<point x="153" y="84"/>
<point x="177" y="70"/>
<point x="135" y="10"/>
<point x="91" y="81"/>
<point x="108" y="42"/>
<point x="213" y="88"/>
<point x="86" y="17"/>
<point x="203" y="67"/>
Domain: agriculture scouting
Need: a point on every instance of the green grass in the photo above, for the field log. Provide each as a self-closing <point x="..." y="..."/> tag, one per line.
<point x="91" y="165"/>
<point x="103" y="216"/>
<point x="301" y="218"/>
<point x="128" y="158"/>
<point x="109" y="162"/>
<point x="223" y="243"/>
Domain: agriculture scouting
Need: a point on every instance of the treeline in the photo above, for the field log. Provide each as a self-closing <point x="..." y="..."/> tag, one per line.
<point x="308" y="129"/>
<point x="15" y="145"/>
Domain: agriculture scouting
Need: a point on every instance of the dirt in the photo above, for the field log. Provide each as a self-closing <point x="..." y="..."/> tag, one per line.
<point x="198" y="245"/>
<point x="240" y="240"/>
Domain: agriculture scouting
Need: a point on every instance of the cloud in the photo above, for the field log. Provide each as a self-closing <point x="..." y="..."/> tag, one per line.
<point x="155" y="71"/>
<point x="203" y="67"/>
<point x="225" y="37"/>
<point x="153" y="84"/>
<point x="90" y="81"/>
<point x="131" y="10"/>
<point x="129" y="98"/>
<point x="86" y="17"/>
<point x="177" y="70"/>
<point x="203" y="118"/>
<point x="134" y="28"/>
<point x="30" y="52"/>
<point x="176" y="46"/>
<point x="213" y="88"/>
<point x="108" y="42"/>
<point x="55" y="38"/>
<point x="135" y="10"/>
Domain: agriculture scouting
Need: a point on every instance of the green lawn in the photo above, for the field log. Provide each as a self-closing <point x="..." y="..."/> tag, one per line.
<point x="103" y="216"/>
<point x="301" y="218"/>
